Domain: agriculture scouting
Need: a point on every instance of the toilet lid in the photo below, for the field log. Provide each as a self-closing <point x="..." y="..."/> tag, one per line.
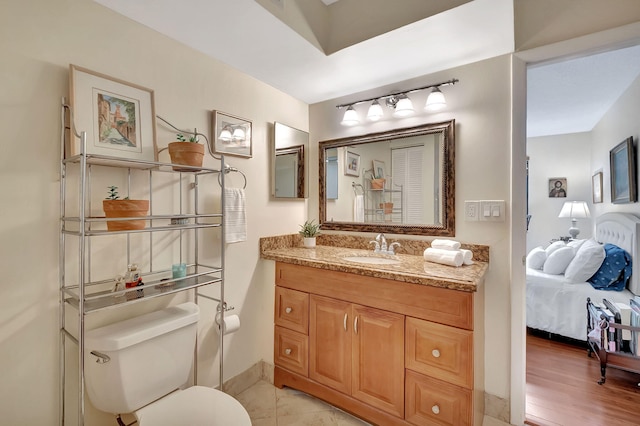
<point x="194" y="406"/>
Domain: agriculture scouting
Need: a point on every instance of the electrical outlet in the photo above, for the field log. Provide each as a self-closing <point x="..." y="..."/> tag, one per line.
<point x="471" y="211"/>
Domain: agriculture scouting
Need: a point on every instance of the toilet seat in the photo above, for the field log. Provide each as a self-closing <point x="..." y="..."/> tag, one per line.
<point x="194" y="406"/>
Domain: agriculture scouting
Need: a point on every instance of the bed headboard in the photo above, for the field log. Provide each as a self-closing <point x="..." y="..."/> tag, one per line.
<point x="623" y="230"/>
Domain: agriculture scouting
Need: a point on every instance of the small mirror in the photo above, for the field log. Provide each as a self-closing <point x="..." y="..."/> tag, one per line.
<point x="400" y="181"/>
<point x="290" y="162"/>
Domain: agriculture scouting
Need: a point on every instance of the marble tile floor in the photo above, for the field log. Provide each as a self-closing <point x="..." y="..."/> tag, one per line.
<point x="269" y="406"/>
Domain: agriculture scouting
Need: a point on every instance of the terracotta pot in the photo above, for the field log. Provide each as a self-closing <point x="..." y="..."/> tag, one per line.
<point x="387" y="207"/>
<point x="186" y="153"/>
<point x="377" y="183"/>
<point x="125" y="208"/>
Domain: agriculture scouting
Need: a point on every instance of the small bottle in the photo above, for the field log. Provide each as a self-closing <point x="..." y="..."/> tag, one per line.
<point x="132" y="277"/>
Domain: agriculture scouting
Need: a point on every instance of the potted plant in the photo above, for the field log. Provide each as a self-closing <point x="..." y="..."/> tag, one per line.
<point x="309" y="230"/>
<point x="186" y="152"/>
<point x="114" y="207"/>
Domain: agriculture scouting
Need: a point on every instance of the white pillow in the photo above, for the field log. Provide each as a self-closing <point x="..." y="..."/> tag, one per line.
<point x="586" y="262"/>
<point x="576" y="244"/>
<point x="554" y="246"/>
<point x="536" y="258"/>
<point x="558" y="261"/>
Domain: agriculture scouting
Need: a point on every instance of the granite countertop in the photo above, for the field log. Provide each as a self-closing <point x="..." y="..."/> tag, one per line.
<point x="410" y="269"/>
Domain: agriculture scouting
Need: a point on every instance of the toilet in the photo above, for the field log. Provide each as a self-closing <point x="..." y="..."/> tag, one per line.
<point x="140" y="366"/>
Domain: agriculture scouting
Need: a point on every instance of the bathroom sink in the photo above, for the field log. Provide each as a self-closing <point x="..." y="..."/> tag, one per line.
<point x="372" y="260"/>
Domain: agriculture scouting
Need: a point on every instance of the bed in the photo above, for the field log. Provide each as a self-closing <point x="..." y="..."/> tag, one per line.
<point x="555" y="306"/>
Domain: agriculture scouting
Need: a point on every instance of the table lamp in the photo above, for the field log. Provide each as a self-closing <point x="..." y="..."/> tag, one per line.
<point x="575" y="210"/>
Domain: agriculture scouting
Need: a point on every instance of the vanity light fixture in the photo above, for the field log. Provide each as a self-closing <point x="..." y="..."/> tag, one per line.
<point x="350" y="117"/>
<point x="399" y="102"/>
<point x="235" y="135"/>
<point x="225" y="134"/>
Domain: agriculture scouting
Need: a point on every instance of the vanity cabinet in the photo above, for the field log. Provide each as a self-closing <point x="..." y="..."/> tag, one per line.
<point x="391" y="352"/>
<point x="358" y="350"/>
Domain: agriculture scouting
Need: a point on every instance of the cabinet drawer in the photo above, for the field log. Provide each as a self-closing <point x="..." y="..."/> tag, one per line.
<point x="292" y="310"/>
<point x="439" y="351"/>
<point x="291" y="351"/>
<point x="433" y="402"/>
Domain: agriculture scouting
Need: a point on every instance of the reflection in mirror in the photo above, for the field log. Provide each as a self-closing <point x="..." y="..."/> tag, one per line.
<point x="404" y="183"/>
<point x="289" y="162"/>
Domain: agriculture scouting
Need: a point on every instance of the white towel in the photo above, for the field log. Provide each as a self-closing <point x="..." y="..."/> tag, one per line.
<point x="445" y="244"/>
<point x="468" y="256"/>
<point x="358" y="208"/>
<point x="235" y="218"/>
<point x="445" y="257"/>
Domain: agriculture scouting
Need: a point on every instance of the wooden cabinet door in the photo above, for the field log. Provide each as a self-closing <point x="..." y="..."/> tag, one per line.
<point x="330" y="342"/>
<point x="378" y="359"/>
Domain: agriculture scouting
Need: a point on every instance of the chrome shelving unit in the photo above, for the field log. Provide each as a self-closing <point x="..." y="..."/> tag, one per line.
<point x="81" y="294"/>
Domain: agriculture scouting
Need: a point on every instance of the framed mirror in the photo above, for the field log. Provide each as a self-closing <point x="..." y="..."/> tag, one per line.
<point x="290" y="162"/>
<point x="405" y="182"/>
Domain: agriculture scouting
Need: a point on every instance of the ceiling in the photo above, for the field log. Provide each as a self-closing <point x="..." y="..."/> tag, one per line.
<point x="563" y="97"/>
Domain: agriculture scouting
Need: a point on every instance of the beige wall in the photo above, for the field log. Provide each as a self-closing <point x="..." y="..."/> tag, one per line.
<point x="480" y="104"/>
<point x="38" y="41"/>
<point x="542" y="22"/>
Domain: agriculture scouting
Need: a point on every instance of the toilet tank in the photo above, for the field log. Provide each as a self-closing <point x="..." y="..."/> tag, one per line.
<point x="149" y="356"/>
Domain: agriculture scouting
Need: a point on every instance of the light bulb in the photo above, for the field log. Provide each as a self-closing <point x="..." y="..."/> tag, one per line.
<point x="350" y="117"/>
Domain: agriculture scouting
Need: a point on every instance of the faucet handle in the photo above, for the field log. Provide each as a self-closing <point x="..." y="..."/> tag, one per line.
<point x="377" y="247"/>
<point x="392" y="245"/>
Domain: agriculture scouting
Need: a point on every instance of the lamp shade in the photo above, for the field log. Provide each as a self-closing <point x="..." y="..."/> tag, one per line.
<point x="375" y="111"/>
<point x="404" y="107"/>
<point x="436" y="100"/>
<point x="350" y="117"/>
<point x="575" y="210"/>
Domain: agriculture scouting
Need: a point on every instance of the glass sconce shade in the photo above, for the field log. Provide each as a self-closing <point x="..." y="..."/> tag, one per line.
<point x="404" y="107"/>
<point x="375" y="111"/>
<point x="238" y="134"/>
<point x="350" y="117"/>
<point x="225" y="134"/>
<point x="436" y="100"/>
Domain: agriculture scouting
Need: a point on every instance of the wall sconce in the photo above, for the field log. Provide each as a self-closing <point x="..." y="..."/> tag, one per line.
<point x="233" y="134"/>
<point x="399" y="102"/>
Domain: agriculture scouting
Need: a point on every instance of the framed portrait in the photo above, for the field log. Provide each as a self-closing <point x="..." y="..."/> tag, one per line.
<point x="231" y="135"/>
<point x="557" y="187"/>
<point x="351" y="164"/>
<point x="622" y="159"/>
<point x="118" y="117"/>
<point x="596" y="186"/>
<point x="379" y="171"/>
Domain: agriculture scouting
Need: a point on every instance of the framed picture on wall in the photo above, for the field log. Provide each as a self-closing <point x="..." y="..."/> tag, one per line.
<point x="351" y="164"/>
<point x="118" y="117"/>
<point x="622" y="159"/>
<point x="557" y="187"/>
<point x="379" y="171"/>
<point x="596" y="187"/>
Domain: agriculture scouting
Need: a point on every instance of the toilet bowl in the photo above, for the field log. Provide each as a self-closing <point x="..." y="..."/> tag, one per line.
<point x="194" y="406"/>
<point x="141" y="366"/>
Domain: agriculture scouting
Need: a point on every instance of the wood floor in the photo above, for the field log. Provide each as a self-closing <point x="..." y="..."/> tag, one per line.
<point x="562" y="388"/>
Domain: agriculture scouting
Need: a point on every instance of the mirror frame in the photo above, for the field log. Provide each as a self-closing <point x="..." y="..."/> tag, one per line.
<point x="297" y="143"/>
<point x="446" y="229"/>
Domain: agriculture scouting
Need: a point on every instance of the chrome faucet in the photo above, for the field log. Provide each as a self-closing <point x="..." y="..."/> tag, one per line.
<point x="383" y="242"/>
<point x="391" y="247"/>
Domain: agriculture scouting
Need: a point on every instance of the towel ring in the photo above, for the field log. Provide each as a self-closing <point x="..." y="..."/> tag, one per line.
<point x="233" y="169"/>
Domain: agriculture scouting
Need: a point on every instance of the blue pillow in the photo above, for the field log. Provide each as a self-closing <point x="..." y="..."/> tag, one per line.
<point x="615" y="271"/>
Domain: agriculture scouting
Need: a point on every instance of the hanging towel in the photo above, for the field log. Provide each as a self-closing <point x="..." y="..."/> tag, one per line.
<point x="235" y="218"/>
<point x="445" y="244"/>
<point x="468" y="256"/>
<point x="445" y="257"/>
<point x="358" y="208"/>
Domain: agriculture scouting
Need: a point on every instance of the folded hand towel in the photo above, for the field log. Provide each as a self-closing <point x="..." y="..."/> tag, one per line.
<point x="445" y="244"/>
<point x="235" y="220"/>
<point x="445" y="257"/>
<point x="468" y="256"/>
<point x="358" y="208"/>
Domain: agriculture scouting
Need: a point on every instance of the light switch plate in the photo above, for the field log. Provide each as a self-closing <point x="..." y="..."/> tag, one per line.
<point x="493" y="210"/>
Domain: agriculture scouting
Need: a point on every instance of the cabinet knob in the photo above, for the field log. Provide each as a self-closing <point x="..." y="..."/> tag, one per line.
<point x="288" y="310"/>
<point x="435" y="353"/>
<point x="435" y="409"/>
<point x="287" y="351"/>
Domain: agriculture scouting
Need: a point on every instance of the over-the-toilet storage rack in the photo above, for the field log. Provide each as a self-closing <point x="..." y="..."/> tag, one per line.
<point x="181" y="234"/>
